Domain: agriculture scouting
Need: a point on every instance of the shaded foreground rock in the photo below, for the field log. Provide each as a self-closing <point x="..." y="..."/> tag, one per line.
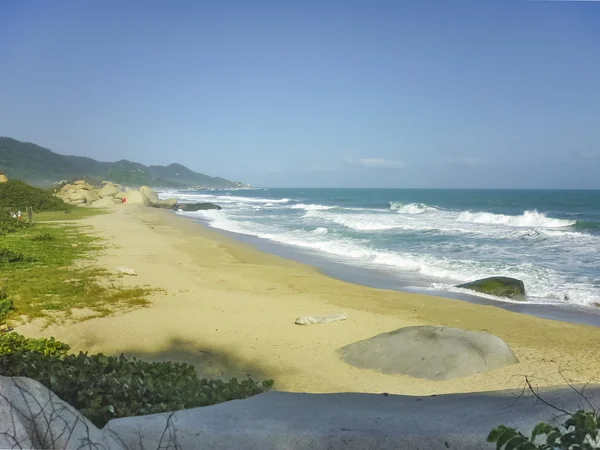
<point x="31" y="416"/>
<point x="434" y="353"/>
<point x="281" y="420"/>
<point x="499" y="287"/>
<point x="35" y="418"/>
<point x="197" y="206"/>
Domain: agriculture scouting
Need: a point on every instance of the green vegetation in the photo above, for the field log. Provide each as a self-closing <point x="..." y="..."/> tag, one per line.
<point x="40" y="166"/>
<point x="579" y="432"/>
<point x="70" y="214"/>
<point x="41" y="278"/>
<point x="103" y="388"/>
<point x="44" y="275"/>
<point x="42" y="268"/>
<point x="16" y="195"/>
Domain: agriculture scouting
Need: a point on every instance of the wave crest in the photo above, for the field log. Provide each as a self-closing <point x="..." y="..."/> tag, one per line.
<point x="527" y="219"/>
<point x="311" y="207"/>
<point x="411" y="208"/>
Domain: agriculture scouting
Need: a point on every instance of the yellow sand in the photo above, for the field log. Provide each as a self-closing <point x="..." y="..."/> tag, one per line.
<point x="230" y="309"/>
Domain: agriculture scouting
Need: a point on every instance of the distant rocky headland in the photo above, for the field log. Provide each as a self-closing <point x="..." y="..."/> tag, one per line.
<point x="107" y="194"/>
<point x="42" y="167"/>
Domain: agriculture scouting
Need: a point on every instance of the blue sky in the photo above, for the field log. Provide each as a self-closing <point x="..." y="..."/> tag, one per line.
<point x="312" y="93"/>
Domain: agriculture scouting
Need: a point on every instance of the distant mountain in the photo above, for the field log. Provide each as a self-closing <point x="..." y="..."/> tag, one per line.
<point x="42" y="167"/>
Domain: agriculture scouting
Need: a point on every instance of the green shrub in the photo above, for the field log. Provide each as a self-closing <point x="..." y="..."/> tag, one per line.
<point x="103" y="388"/>
<point x="43" y="237"/>
<point x="7" y="256"/>
<point x="579" y="432"/>
<point x="17" y="195"/>
<point x="6" y="305"/>
<point x="15" y="343"/>
<point x="8" y="224"/>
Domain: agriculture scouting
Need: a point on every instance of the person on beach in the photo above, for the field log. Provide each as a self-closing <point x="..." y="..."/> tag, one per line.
<point x="19" y="215"/>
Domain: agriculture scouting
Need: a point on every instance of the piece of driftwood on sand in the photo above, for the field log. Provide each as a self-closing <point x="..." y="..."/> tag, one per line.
<point x="309" y="320"/>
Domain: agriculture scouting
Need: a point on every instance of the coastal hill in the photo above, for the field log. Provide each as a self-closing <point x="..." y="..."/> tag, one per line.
<point x="42" y="167"/>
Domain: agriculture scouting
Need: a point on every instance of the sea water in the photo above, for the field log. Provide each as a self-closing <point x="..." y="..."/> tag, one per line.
<point x="435" y="239"/>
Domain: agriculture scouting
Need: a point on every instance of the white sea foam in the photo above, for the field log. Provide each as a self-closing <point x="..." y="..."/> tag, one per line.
<point x="412" y="208"/>
<point x="527" y="219"/>
<point x="310" y="207"/>
<point x="450" y="247"/>
<point x="193" y="197"/>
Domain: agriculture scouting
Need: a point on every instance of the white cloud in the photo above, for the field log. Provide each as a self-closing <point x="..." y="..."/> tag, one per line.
<point x="375" y="163"/>
<point x="463" y="160"/>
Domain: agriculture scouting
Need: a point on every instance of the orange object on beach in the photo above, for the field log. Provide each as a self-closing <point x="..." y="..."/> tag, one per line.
<point x="123" y="200"/>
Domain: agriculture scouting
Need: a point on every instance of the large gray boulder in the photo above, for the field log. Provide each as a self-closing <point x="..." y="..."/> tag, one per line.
<point x="32" y="416"/>
<point x="349" y="421"/>
<point x="434" y="353"/>
<point x="196" y="206"/>
<point x="499" y="287"/>
<point x="150" y="194"/>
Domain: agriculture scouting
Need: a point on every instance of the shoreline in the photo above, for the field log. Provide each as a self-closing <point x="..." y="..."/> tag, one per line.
<point x="380" y="279"/>
<point x="229" y="310"/>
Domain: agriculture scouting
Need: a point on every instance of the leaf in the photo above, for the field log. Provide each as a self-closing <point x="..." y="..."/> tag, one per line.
<point x="506" y="436"/>
<point x="516" y="442"/>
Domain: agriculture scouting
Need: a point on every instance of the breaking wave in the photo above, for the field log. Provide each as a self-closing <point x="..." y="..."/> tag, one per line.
<point x="527" y="219"/>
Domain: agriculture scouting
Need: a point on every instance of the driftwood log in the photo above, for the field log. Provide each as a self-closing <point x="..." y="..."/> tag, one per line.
<point x="309" y="320"/>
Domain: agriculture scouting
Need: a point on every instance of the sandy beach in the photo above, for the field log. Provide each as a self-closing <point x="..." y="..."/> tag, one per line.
<point x="229" y="310"/>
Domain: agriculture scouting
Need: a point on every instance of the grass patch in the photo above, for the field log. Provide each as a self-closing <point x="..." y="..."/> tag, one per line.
<point x="71" y="214"/>
<point x="44" y="271"/>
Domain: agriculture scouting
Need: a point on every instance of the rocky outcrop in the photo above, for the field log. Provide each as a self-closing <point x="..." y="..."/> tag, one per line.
<point x="77" y="195"/>
<point x="169" y="203"/>
<point x="498" y="286"/>
<point x="81" y="193"/>
<point x="136" y="198"/>
<point x="197" y="206"/>
<point x="434" y="353"/>
<point x="108" y="191"/>
<point x="150" y="194"/>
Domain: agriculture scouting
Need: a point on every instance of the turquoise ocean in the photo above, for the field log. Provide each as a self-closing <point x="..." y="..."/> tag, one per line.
<point x="431" y="239"/>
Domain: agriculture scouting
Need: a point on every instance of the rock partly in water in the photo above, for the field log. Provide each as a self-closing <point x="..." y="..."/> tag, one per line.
<point x="434" y="353"/>
<point x="150" y="194"/>
<point x="196" y="206"/>
<point x="498" y="286"/>
<point x="169" y="203"/>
